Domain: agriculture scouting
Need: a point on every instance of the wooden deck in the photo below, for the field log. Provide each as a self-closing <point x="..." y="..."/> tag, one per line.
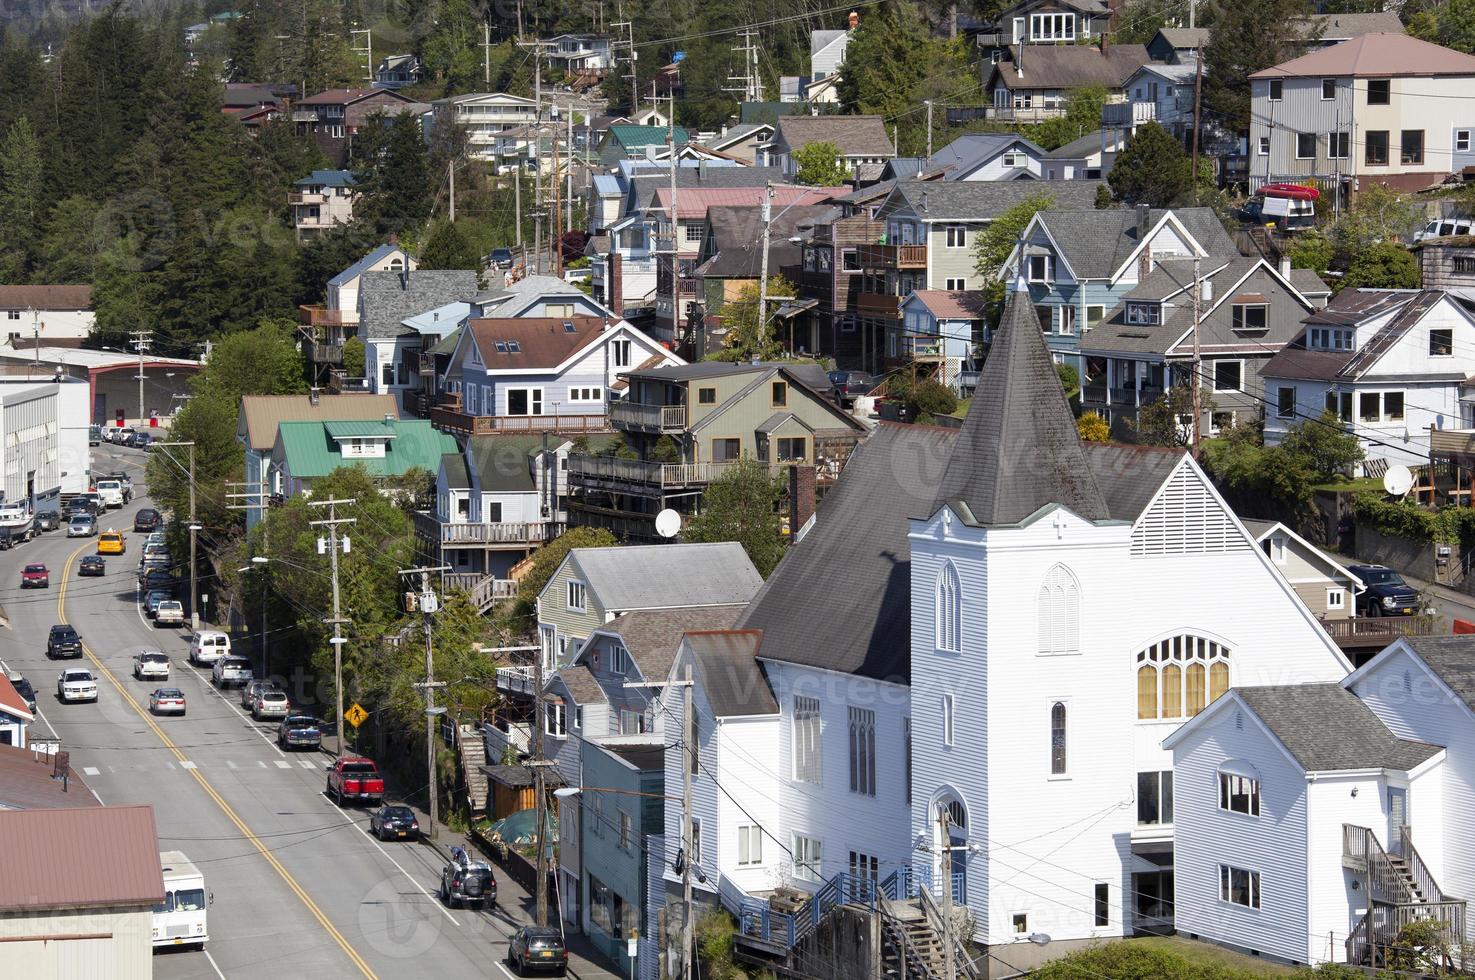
<point x="1367" y="631"/>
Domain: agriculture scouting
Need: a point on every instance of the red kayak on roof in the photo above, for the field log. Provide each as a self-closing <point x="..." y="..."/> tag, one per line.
<point x="1295" y="192"/>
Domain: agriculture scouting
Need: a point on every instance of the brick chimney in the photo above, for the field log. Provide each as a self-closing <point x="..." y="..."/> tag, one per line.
<point x="616" y="285"/>
<point x="801" y="498"/>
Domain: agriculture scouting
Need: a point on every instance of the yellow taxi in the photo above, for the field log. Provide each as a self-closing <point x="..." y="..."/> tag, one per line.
<point x="110" y="543"/>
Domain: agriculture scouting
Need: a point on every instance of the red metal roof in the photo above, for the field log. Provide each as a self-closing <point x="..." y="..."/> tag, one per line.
<point x="94" y="857"/>
<point x="27" y="782"/>
<point x="953" y="304"/>
<point x="12" y="702"/>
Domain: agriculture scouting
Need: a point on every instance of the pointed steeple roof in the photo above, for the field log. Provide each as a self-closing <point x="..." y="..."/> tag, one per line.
<point x="1018" y="450"/>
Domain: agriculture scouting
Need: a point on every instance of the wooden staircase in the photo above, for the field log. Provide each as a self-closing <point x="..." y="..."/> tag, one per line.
<point x="1401" y="892"/>
<point x="910" y="948"/>
<point x="473" y="756"/>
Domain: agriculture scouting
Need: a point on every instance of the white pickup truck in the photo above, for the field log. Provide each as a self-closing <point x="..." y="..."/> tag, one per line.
<point x="110" y="492"/>
<point x="76" y="684"/>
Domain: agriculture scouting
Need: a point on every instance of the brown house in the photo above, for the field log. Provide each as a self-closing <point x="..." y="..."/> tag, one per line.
<point x="333" y="116"/>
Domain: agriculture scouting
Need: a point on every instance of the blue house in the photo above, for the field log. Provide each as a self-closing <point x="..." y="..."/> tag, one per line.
<point x="943" y="327"/>
<point x="1079" y="264"/>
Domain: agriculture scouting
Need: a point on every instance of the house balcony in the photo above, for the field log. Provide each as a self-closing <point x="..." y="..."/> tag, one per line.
<point x="468" y="534"/>
<point x="812" y="284"/>
<point x="307" y="199"/>
<point x="485" y="590"/>
<point x="1100" y="394"/>
<point x="317" y="315"/>
<point x="920" y="349"/>
<point x="1127" y="115"/>
<point x="1375" y="632"/>
<point x="878" y="304"/>
<point x="1400" y="890"/>
<point x="637" y="417"/>
<point x="1026" y="114"/>
<point x="517" y="680"/>
<point x="649" y="478"/>
<point x="320" y="353"/>
<point x="893" y="256"/>
<point x="449" y="416"/>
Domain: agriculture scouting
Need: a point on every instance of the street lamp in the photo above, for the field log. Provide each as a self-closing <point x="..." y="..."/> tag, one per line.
<point x="260" y="562"/>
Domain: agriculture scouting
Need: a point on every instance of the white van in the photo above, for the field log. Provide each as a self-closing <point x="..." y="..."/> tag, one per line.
<point x="180" y="918"/>
<point x="110" y="492"/>
<point x="1443" y="228"/>
<point x="207" y="647"/>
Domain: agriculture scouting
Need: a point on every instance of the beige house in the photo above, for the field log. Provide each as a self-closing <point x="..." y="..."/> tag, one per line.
<point x="1328" y="589"/>
<point x="862" y="141"/>
<point x="320" y="200"/>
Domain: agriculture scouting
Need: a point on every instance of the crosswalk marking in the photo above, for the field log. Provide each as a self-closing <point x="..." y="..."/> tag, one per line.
<point x="260" y="763"/>
<point x="283" y="764"/>
<point x="231" y="764"/>
<point x="186" y="764"/>
<point x="307" y="764"/>
<point x="90" y="771"/>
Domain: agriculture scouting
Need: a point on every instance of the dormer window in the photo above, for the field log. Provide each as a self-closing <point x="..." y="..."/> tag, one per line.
<point x="1329" y="338"/>
<point x="1144" y="314"/>
<point x="1251" y="316"/>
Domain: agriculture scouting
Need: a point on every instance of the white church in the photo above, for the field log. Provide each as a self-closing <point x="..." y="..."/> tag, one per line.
<point x="968" y="667"/>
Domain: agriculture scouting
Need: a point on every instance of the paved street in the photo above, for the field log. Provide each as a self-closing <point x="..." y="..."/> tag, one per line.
<point x="296" y="882"/>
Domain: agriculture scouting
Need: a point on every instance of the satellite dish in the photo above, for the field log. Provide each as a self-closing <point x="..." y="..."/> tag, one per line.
<point x="1398" y="480"/>
<point x="668" y="523"/>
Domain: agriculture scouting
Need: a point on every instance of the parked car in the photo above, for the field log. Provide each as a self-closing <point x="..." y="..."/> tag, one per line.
<point x="1387" y="594"/>
<point x="1444" y="227"/>
<point x="465" y="880"/>
<point x="849" y="384"/>
<point x="537" y="948"/>
<point x="300" y="732"/>
<point x="500" y="258"/>
<point x="81" y="526"/>
<point x="394" y="823"/>
<point x="151" y="664"/>
<point x="22" y="686"/>
<point x="64" y="642"/>
<point x="116" y="434"/>
<point x="229" y="671"/>
<point x="250" y="689"/>
<point x="208" y="646"/>
<point x="152" y="600"/>
<point x="355" y="778"/>
<point x="82" y="503"/>
<point x="147" y="519"/>
<point x="166" y="700"/>
<point x="271" y="703"/>
<point x="156" y="578"/>
<point x="48" y="520"/>
<point x="92" y="565"/>
<point x="111" y="543"/>
<point x="35" y="576"/>
<point x="76" y="684"/>
<point x="140" y="439"/>
<point x="169" y="613"/>
<point x="94" y="435"/>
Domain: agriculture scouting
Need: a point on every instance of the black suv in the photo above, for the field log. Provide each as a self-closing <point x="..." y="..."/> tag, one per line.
<point x="465" y="880"/>
<point x="63" y="642"/>
<point x="537" y="948"/>
<point x="146" y="519"/>
<point x="1387" y="594"/>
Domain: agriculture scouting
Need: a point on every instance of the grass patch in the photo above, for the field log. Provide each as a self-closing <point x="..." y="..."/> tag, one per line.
<point x="962" y="410"/>
<point x="1208" y="955"/>
<point x="1362" y="484"/>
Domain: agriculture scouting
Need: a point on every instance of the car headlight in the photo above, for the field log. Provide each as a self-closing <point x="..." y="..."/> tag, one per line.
<point x="1389" y="602"/>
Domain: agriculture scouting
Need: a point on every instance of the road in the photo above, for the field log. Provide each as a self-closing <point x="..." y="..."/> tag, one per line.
<point x="295" y="880"/>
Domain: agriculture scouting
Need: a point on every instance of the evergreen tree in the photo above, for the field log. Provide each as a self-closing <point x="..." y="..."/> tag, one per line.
<point x="1151" y="169"/>
<point x="395" y="190"/>
<point x="1247" y="37"/>
<point x="1384" y="265"/>
<point x="21" y="199"/>
<point x="72" y="244"/>
<point x="742" y="505"/>
<point x="448" y="248"/>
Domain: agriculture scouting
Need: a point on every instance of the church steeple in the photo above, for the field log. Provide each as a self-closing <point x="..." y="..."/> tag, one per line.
<point x="1018" y="450"/>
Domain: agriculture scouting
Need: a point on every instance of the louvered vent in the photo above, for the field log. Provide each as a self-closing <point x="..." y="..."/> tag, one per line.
<point x="1186" y="519"/>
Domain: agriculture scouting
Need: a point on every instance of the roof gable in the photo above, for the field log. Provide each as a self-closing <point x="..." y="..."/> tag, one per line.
<point x="669" y="576"/>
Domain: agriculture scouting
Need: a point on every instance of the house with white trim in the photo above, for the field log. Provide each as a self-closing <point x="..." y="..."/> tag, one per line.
<point x="1390" y="364"/>
<point x="1327" y="587"/>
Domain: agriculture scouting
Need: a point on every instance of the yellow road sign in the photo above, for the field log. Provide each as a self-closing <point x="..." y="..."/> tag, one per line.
<point x="356" y="715"/>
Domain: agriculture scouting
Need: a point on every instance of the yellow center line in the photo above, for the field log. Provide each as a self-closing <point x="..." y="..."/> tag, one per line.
<point x="225" y="807"/>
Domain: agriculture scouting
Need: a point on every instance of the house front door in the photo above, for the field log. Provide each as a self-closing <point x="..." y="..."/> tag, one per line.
<point x="1397" y="818"/>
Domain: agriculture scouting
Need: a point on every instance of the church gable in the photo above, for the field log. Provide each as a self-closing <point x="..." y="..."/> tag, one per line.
<point x="1187" y="517"/>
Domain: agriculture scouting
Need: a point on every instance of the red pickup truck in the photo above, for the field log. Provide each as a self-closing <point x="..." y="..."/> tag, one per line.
<point x="353" y="778"/>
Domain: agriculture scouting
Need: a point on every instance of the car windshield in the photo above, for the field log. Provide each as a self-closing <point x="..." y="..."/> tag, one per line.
<point x="170" y="605"/>
<point x="35" y="568"/>
<point x="62" y="632"/>
<point x="301" y="723"/>
<point x="154" y="658"/>
<point x="398" y="813"/>
<point x="273" y="696"/>
<point x="79" y="676"/>
<point x="170" y="692"/>
<point x="1382" y="576"/>
<point x="83" y="521"/>
<point x="360" y="767"/>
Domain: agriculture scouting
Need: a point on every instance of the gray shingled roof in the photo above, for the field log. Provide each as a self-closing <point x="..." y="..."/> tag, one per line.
<point x="971" y="150"/>
<point x="1185" y="37"/>
<point x="1130" y="476"/>
<point x="726" y="667"/>
<point x="386" y="298"/>
<point x="579" y="681"/>
<point x="1327" y="728"/>
<point x="1069" y="66"/>
<point x="653" y="636"/>
<point x="1018" y="450"/>
<point x="1078" y="148"/>
<point x="736" y="233"/>
<point x="502" y="461"/>
<point x="1452" y="658"/>
<point x="1096" y="243"/>
<point x="667" y="576"/>
<point x="853" y="136"/>
<point x="458" y="477"/>
<point x="984" y="200"/>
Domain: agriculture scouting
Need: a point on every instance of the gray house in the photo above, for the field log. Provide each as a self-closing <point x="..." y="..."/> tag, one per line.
<point x="988" y="156"/>
<point x="385" y="301"/>
<point x="1249" y="310"/>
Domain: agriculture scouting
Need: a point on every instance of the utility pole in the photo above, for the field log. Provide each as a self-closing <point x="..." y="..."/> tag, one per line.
<point x="429" y="604"/>
<point x="517" y="201"/>
<point x="142" y="339"/>
<point x="194" y="528"/>
<point x="568" y="196"/>
<point x="486" y="51"/>
<point x="1196" y="384"/>
<point x="367" y="51"/>
<point x="538" y="764"/>
<point x="1192" y="14"/>
<point x="330" y="545"/>
<point x="671" y="213"/>
<point x="950" y="970"/>
<point x="928" y="104"/>
<point x="1198" y="85"/>
<point x="537" y="150"/>
<point x="451" y="175"/>
<point x="36" y="339"/>
<point x="555" y="232"/>
<point x="763" y="264"/>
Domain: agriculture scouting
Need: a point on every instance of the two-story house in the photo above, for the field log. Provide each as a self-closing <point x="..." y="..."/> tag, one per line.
<point x="485" y="116"/>
<point x="438" y="330"/>
<point x="1178" y="45"/>
<point x="1248" y="310"/>
<point x="983" y="656"/>
<point x="1160" y="93"/>
<point x="1328" y="589"/>
<point x="1043" y="22"/>
<point x="320" y="200"/>
<point x="578" y="53"/>
<point x="860" y="141"/>
<point x="1078" y="264"/>
<point x="540" y="373"/>
<point x="1389" y="363"/>
<point x="988" y="156"/>
<point x="392" y="348"/>
<point x="46" y="316"/>
<point x="690" y="424"/>
<point x="326" y="325"/>
<point x="627" y="141"/>
<point x="1037" y="81"/>
<point x="1381" y="108"/>
<point x="388" y="447"/>
<point x="332" y="117"/>
<point x="546" y="296"/>
<point x="931" y="228"/>
<point x="398" y="70"/>
<point x="260" y="416"/>
<point x="497" y="500"/>
<point x="944" y="329"/>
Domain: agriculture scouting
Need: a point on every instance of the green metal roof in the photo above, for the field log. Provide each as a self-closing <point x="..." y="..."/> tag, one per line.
<point x="448" y="344"/>
<point x="361" y="430"/>
<point x="312" y="452"/>
<point x="632" y="136"/>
